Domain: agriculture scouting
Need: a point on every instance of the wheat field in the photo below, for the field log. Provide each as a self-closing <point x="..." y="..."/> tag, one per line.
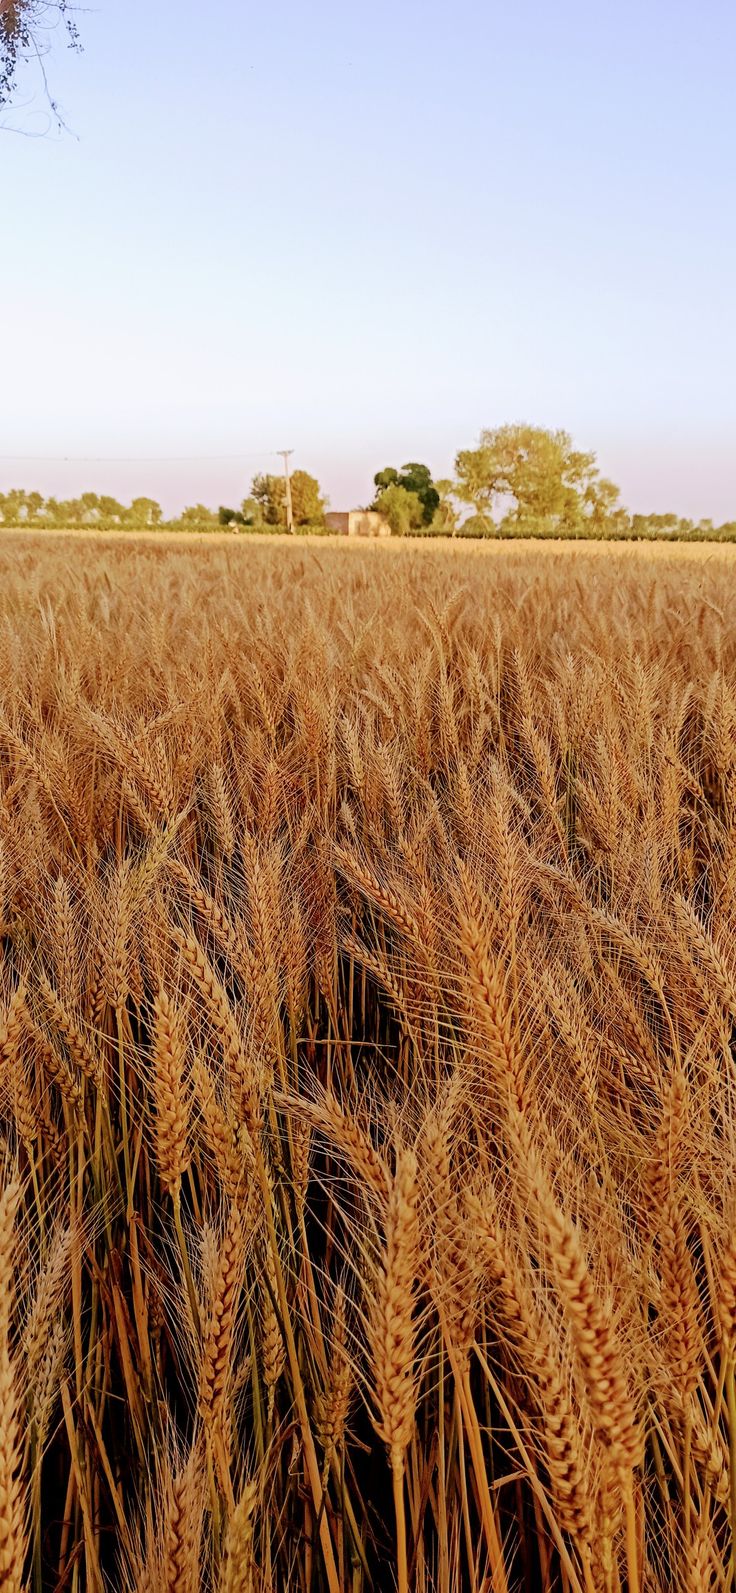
<point x="367" y="1091"/>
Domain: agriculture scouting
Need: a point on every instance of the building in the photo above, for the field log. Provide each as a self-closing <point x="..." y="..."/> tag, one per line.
<point x="358" y="523"/>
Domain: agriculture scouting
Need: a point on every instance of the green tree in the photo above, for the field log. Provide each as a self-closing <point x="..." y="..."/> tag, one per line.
<point x="601" y="505"/>
<point x="269" y="495"/>
<point x="197" y="514"/>
<point x="307" y="502"/>
<point x="60" y="512"/>
<point x="252" y="512"/>
<point x="413" y="478"/>
<point x="446" y="518"/>
<point x="403" y="509"/>
<point x="111" y="511"/>
<point x="539" y="473"/>
<point x="14" y="506"/>
<point x="34" y="505"/>
<point x="90" y="506"/>
<point x="477" y="525"/>
<point x="144" y="512"/>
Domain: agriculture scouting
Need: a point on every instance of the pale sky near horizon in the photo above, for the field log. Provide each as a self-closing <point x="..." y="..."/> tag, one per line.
<point x="365" y="232"/>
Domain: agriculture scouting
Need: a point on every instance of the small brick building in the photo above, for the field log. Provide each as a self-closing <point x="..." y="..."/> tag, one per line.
<point x="358" y="523"/>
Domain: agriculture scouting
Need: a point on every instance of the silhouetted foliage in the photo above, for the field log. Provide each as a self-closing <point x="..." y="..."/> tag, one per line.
<point x="26" y="28"/>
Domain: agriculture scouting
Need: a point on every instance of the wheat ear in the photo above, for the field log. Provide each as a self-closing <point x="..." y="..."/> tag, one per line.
<point x="12" y="1491"/>
<point x="170" y="1097"/>
<point x="239" y="1569"/>
<point x="393" y="1336"/>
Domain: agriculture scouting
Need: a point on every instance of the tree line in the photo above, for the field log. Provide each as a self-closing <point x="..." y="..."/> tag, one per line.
<point x="519" y="481"/>
<point x="263" y="510"/>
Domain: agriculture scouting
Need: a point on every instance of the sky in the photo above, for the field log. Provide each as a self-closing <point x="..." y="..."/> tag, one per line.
<point x="365" y="232"/>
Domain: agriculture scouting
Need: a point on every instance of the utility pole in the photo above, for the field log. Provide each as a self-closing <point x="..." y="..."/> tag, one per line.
<point x="285" y="454"/>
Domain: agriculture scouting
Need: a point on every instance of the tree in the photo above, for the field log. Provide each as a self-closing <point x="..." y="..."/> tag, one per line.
<point x="403" y="509"/>
<point x="90" y="506"/>
<point x="477" y="525"/>
<point x="446" y="517"/>
<point x="8" y="508"/>
<point x="110" y="510"/>
<point x="601" y="505"/>
<point x="144" y="512"/>
<point x="17" y="507"/>
<point x="25" y="30"/>
<point x="198" y="514"/>
<point x="540" y="474"/>
<point x="664" y="525"/>
<point x="230" y="516"/>
<point x="252" y="512"/>
<point x="307" y="503"/>
<point x="413" y="478"/>
<point x="60" y="512"/>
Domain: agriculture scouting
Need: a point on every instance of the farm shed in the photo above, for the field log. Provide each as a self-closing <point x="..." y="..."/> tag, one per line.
<point x="358" y="523"/>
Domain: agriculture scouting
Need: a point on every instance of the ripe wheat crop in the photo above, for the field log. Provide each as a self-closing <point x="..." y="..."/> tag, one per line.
<point x="367" y="1069"/>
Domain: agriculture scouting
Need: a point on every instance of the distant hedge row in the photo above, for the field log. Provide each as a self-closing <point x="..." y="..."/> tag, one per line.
<point x="638" y="529"/>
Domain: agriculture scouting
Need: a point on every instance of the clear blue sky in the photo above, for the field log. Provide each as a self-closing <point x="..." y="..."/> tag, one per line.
<point x="366" y="231"/>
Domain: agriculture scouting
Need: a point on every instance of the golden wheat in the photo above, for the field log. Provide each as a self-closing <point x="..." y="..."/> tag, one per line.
<point x="367" y="1091"/>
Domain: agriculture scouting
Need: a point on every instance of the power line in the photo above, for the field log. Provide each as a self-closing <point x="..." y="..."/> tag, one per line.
<point x="131" y="459"/>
